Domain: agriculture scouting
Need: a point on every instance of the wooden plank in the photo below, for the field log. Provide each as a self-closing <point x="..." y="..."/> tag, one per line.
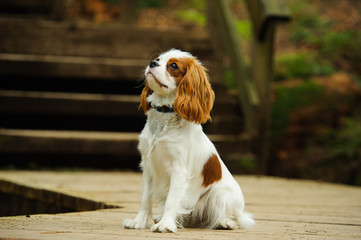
<point x="70" y="66"/>
<point x="12" y="101"/>
<point x="107" y="143"/>
<point x="55" y="199"/>
<point x="57" y="103"/>
<point x="68" y="142"/>
<point x="36" y="37"/>
<point x="224" y="124"/>
<point x="27" y="6"/>
<point x="35" y="104"/>
<point x="284" y="209"/>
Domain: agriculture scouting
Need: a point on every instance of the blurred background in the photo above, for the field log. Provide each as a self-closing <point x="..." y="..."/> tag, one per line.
<point x="287" y="78"/>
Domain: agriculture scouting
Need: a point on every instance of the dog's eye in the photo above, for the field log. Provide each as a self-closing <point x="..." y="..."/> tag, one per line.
<point x="174" y="66"/>
<point x="157" y="59"/>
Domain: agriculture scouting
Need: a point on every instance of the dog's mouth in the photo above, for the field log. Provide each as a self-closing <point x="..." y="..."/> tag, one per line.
<point x="157" y="81"/>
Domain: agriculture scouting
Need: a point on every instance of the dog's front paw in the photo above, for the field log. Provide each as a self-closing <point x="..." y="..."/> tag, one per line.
<point x="157" y="218"/>
<point x="134" y="224"/>
<point x="164" y="226"/>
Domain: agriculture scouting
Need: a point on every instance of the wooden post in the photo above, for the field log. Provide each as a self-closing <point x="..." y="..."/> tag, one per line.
<point x="222" y="29"/>
<point x="261" y="73"/>
<point x="264" y="15"/>
<point x="254" y="95"/>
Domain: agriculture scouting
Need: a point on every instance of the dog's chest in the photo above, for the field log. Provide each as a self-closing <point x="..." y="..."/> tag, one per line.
<point x="158" y="140"/>
<point x="161" y="123"/>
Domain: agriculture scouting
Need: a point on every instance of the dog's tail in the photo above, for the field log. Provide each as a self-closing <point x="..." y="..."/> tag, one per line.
<point x="245" y="220"/>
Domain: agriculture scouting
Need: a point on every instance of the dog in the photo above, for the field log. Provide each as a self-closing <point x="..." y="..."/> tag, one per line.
<point x="182" y="170"/>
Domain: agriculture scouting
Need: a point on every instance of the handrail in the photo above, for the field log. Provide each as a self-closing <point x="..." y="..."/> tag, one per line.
<point x="253" y="88"/>
<point x="223" y="30"/>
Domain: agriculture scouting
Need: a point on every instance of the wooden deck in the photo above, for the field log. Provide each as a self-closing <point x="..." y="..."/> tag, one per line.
<point x="284" y="209"/>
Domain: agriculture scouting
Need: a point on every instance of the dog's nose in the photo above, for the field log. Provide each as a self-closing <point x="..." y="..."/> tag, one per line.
<point x="153" y="64"/>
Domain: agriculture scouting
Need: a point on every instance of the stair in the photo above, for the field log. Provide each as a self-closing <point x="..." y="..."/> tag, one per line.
<point x="69" y="94"/>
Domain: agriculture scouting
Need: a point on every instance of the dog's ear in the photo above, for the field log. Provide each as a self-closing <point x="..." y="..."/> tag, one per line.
<point x="195" y="97"/>
<point x="144" y="104"/>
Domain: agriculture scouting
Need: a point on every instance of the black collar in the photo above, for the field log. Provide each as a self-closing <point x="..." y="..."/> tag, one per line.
<point x="163" y="109"/>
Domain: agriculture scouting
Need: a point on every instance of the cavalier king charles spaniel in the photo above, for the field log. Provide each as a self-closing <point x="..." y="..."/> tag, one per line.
<point x="182" y="170"/>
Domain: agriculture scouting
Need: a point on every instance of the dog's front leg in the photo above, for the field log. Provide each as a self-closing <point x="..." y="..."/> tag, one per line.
<point x="141" y="220"/>
<point x="178" y="186"/>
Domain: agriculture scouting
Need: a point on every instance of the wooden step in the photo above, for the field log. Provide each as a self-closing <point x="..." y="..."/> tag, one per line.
<point x="54" y="9"/>
<point x="39" y="37"/>
<point x="32" y="141"/>
<point x="95" y="112"/>
<point x="80" y="67"/>
<point x="224" y="124"/>
<point x="32" y="65"/>
<point x="88" y="104"/>
<point x="65" y="48"/>
<point x="16" y="141"/>
<point x="60" y="103"/>
<point x="70" y="92"/>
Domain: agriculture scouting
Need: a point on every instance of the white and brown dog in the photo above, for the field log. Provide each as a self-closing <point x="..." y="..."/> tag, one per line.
<point x="182" y="170"/>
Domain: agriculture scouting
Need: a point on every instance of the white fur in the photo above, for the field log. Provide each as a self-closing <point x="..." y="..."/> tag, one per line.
<point x="174" y="152"/>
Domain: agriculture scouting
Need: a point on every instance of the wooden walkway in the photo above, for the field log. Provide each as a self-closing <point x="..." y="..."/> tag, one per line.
<point x="284" y="209"/>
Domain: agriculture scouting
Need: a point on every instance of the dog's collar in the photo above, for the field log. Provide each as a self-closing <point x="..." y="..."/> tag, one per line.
<point x="163" y="109"/>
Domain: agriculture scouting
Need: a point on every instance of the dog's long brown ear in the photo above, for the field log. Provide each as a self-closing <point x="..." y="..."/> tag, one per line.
<point x="144" y="104"/>
<point x="195" y="97"/>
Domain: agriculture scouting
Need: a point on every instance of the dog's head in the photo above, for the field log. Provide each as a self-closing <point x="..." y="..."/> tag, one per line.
<point x="179" y="73"/>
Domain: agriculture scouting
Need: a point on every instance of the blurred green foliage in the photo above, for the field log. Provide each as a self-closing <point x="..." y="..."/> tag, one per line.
<point x="193" y="11"/>
<point x="247" y="163"/>
<point x="199" y="5"/>
<point x="229" y="77"/>
<point x="301" y="65"/>
<point x="112" y="1"/>
<point x="289" y="99"/>
<point x="332" y="43"/>
<point x="343" y="48"/>
<point x="346" y="143"/>
<point x="152" y="3"/>
<point x="191" y="15"/>
<point x="244" y="29"/>
<point x="309" y="28"/>
<point x="343" y="147"/>
<point x="340" y="46"/>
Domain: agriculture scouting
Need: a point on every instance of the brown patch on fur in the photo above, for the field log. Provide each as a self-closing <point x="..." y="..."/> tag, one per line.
<point x="195" y="97"/>
<point x="144" y="104"/>
<point x="212" y="171"/>
<point x="182" y="64"/>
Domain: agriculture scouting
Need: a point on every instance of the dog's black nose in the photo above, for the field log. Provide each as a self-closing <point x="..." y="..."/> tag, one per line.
<point x="153" y="64"/>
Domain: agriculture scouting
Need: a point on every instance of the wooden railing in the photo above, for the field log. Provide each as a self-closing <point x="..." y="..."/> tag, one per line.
<point x="253" y="87"/>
